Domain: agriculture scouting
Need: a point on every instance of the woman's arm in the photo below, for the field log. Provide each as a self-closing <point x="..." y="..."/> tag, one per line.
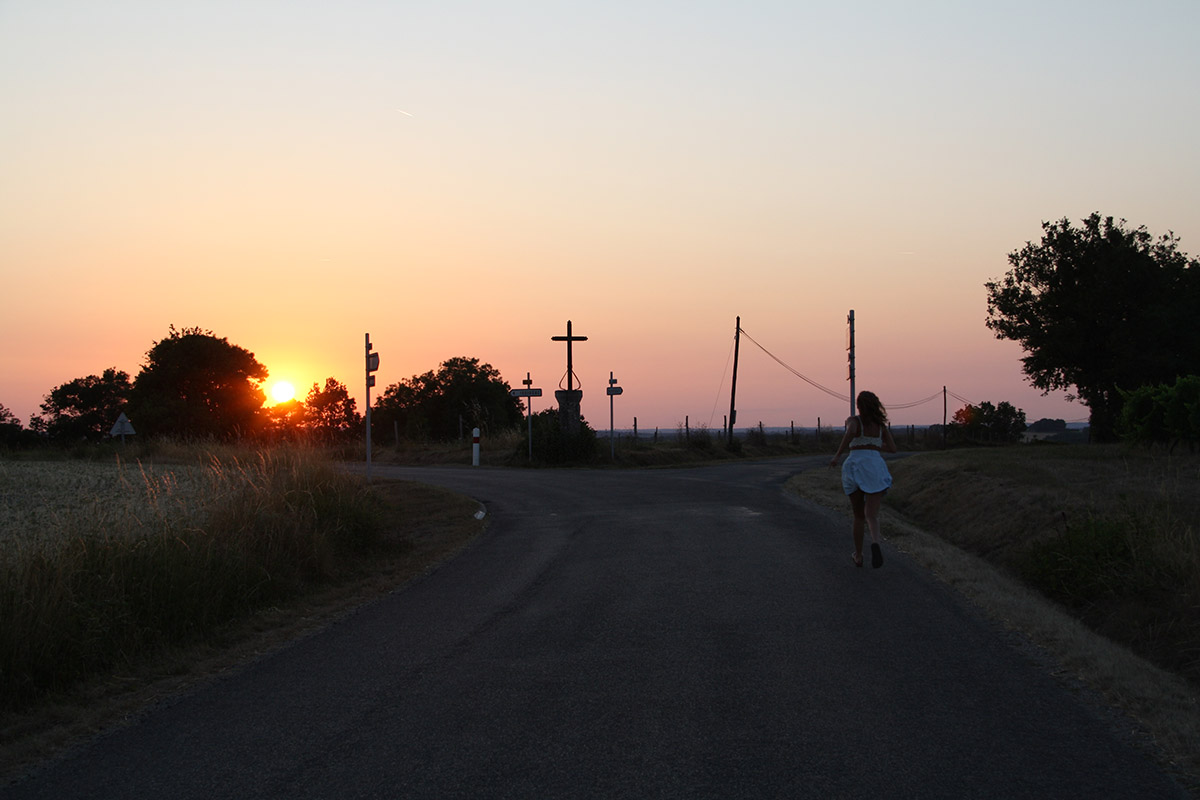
<point x="889" y="444"/>
<point x="843" y="445"/>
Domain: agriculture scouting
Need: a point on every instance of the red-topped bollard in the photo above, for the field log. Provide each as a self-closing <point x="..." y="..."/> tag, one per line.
<point x="475" y="447"/>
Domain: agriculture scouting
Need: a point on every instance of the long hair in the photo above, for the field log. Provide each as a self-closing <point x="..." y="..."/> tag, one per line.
<point x="871" y="409"/>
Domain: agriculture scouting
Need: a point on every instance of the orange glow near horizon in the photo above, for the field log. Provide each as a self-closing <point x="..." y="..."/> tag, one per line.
<point x="282" y="392"/>
<point x="558" y="167"/>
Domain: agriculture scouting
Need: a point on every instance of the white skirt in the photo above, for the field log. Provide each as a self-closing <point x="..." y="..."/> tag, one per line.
<point x="865" y="471"/>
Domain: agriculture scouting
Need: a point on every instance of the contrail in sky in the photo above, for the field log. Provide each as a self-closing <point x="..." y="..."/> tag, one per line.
<point x="405" y="113"/>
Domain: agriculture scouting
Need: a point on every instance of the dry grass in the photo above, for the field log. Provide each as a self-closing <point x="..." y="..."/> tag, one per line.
<point x="422" y="526"/>
<point x="972" y="516"/>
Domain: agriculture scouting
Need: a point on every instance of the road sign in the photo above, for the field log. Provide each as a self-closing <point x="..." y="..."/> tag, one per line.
<point x="122" y="427"/>
<point x="615" y="390"/>
<point x="526" y="392"/>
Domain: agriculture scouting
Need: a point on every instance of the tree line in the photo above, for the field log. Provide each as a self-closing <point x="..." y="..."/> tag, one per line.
<point x="1103" y="311"/>
<point x="196" y="385"/>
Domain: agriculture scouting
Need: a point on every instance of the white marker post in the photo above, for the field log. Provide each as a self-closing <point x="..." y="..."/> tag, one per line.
<point x="475" y="447"/>
<point x="612" y="391"/>
<point x="372" y="365"/>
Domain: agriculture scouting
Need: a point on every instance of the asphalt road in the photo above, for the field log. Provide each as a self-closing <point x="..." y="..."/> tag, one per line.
<point x="633" y="634"/>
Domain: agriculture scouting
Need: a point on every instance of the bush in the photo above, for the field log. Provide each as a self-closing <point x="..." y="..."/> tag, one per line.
<point x="1162" y="413"/>
<point x="551" y="445"/>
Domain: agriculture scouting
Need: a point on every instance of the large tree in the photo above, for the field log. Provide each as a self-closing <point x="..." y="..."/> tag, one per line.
<point x="197" y="385"/>
<point x="1099" y="309"/>
<point x="85" y="408"/>
<point x="462" y="393"/>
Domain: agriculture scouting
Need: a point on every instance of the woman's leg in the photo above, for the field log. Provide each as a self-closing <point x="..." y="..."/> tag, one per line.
<point x="871" y="505"/>
<point x="857" y="505"/>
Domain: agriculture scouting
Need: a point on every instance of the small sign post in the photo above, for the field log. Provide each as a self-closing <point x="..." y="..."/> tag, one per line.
<point x="529" y="393"/>
<point x="372" y="366"/>
<point x="612" y="391"/>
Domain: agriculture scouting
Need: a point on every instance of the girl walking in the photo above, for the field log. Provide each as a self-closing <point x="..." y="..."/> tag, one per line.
<point x="865" y="476"/>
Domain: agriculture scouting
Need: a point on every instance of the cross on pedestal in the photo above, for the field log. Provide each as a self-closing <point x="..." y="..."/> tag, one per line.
<point x="569" y="338"/>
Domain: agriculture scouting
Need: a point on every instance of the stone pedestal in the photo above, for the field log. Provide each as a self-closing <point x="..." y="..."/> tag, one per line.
<point x="568" y="410"/>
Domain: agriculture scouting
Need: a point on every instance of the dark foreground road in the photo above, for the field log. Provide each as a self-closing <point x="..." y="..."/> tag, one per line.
<point x="649" y="634"/>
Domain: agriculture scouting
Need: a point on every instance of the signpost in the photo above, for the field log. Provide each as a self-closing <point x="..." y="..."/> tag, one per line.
<point x="528" y="392"/>
<point x="372" y="366"/>
<point x="122" y="427"/>
<point x="612" y="391"/>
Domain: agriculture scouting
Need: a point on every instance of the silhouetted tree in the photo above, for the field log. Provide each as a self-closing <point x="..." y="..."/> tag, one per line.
<point x="993" y="423"/>
<point x="11" y="432"/>
<point x="285" y="420"/>
<point x="195" y="384"/>
<point x="432" y="405"/>
<point x="85" y="408"/>
<point x="331" y="414"/>
<point x="1098" y="309"/>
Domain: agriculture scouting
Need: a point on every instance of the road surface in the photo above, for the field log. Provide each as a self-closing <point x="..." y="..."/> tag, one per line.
<point x="633" y="634"/>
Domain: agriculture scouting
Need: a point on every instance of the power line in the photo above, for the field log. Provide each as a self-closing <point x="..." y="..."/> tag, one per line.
<point x="721" y="385"/>
<point x="959" y="398"/>
<point x="915" y="403"/>
<point x="802" y="377"/>
<point x="839" y="395"/>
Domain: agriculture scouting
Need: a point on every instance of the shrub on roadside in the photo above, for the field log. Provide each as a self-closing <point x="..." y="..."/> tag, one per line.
<point x="552" y="445"/>
<point x="1165" y="414"/>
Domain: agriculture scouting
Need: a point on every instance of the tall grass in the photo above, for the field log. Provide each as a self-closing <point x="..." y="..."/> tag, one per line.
<point x="1109" y="532"/>
<point x="101" y="563"/>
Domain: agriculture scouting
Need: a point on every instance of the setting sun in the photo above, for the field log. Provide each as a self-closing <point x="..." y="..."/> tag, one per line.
<point x="282" y="391"/>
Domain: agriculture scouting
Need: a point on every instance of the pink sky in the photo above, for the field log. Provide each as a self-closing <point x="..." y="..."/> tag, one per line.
<point x="461" y="181"/>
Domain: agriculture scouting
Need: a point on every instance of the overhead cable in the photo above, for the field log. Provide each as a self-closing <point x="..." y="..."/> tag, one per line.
<point x="804" y="378"/>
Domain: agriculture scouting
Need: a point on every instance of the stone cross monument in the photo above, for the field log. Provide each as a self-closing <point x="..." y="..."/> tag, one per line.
<point x="569" y="399"/>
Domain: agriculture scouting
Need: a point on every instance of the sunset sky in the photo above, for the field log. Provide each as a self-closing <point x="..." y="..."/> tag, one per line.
<point x="460" y="179"/>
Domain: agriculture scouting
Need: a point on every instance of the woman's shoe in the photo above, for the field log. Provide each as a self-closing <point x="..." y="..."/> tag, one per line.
<point x="876" y="556"/>
<point x="857" y="559"/>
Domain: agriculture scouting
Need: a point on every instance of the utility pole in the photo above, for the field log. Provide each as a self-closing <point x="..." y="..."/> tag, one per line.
<point x="850" y="347"/>
<point x="944" y="409"/>
<point x="737" y="340"/>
